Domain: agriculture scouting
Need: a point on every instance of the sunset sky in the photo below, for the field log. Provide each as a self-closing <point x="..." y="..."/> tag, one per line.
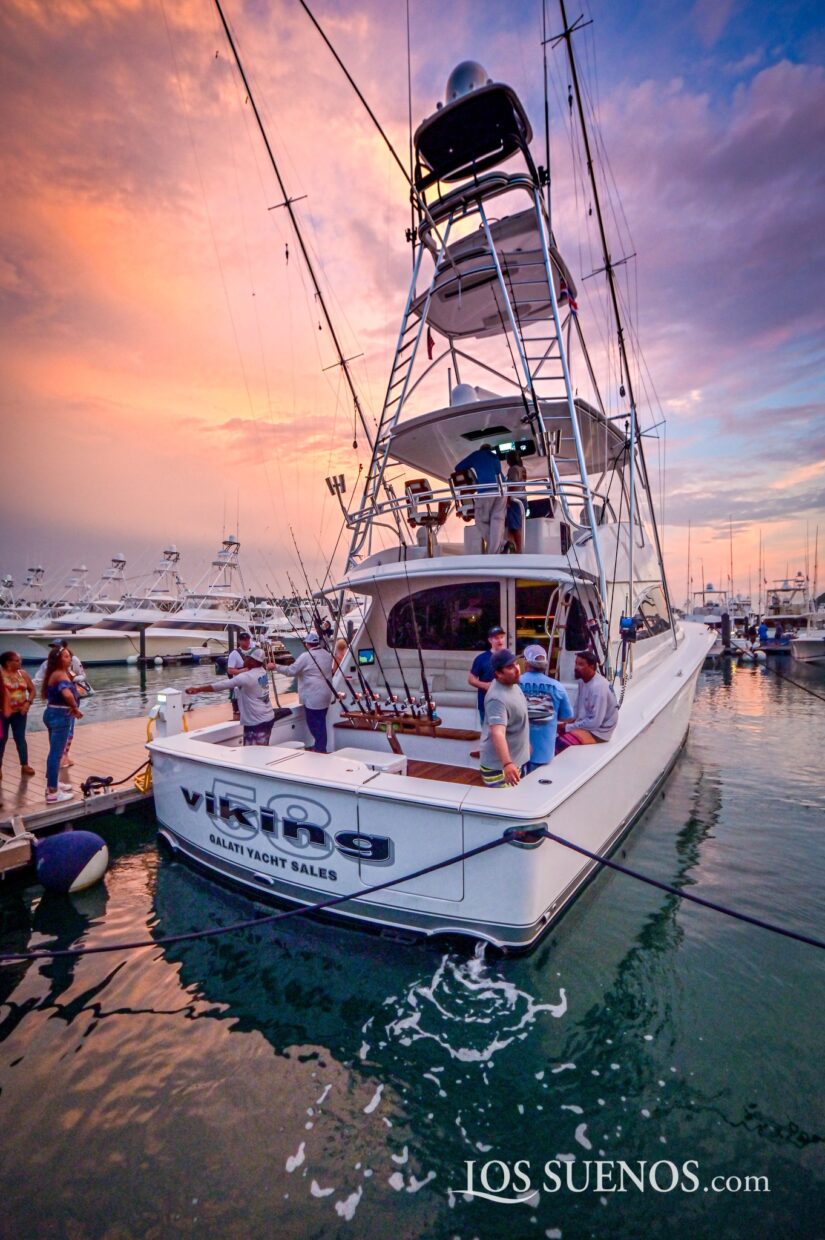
<point x="162" y="368"/>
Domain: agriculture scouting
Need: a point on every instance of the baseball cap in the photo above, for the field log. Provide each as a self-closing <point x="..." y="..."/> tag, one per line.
<point x="255" y="652"/>
<point x="312" y="639"/>
<point x="244" y="633"/>
<point x="495" y="630"/>
<point x="502" y="658"/>
<point x="58" y="641"/>
<point x="535" y="654"/>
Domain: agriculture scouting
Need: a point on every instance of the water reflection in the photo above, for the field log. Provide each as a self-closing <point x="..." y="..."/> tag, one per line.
<point x="307" y="1079"/>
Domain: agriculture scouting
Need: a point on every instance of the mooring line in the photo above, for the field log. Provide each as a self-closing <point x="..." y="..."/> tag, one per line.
<point x="685" y="895"/>
<point x="215" y="931"/>
<point x="510" y="836"/>
<point x="791" y="681"/>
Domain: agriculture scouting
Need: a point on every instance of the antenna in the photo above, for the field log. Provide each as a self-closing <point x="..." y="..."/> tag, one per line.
<point x="689" y="578"/>
<point x="546" y="110"/>
<point x="636" y="444"/>
<point x="413" y="233"/>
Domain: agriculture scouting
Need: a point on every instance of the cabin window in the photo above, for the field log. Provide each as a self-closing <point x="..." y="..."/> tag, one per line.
<point x="652" y="618"/>
<point x="453" y="617"/>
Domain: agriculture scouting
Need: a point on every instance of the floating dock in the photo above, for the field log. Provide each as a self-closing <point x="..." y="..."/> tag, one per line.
<point x="115" y="748"/>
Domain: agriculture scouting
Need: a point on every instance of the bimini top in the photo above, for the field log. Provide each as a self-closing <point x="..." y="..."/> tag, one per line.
<point x="435" y="442"/>
<point x="466" y="298"/>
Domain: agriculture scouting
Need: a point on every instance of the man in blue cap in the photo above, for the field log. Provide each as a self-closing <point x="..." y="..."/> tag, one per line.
<point x="481" y="673"/>
<point x="505" y="740"/>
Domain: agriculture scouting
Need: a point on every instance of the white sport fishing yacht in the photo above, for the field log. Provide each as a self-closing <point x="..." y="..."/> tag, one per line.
<point x="103" y="598"/>
<point x="216" y="605"/>
<point x="400" y="789"/>
<point x="125" y="632"/>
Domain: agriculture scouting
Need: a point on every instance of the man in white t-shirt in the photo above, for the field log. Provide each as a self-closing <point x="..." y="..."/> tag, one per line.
<point x="236" y="663"/>
<point x="250" y="688"/>
<point x="313" y="670"/>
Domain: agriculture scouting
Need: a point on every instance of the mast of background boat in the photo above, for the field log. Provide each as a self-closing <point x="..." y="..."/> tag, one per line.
<point x="730" y="537"/>
<point x="815" y="568"/>
<point x="635" y="438"/>
<point x="688" y="595"/>
<point x="287" y="202"/>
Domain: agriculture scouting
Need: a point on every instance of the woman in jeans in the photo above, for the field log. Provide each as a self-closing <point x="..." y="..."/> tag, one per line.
<point x="19" y="693"/>
<point x="62" y="698"/>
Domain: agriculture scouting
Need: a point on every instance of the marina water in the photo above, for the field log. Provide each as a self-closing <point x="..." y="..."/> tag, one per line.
<point x="307" y="1080"/>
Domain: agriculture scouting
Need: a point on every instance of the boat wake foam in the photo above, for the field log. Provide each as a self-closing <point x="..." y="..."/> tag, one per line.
<point x="468" y="1011"/>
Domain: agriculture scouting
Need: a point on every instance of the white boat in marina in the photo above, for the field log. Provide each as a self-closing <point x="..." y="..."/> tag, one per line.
<point x="400" y="789"/>
<point x="217" y="604"/>
<point x="31" y="634"/>
<point x="103" y="599"/>
<point x="137" y="626"/>
<point x="808" y="646"/>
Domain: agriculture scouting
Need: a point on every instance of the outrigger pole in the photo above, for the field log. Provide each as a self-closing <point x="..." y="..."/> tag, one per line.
<point x="288" y="204"/>
<point x="610" y="272"/>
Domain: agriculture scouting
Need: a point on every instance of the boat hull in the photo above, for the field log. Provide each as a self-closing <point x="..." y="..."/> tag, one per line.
<point x="267" y="824"/>
<point x="809" y="649"/>
<point x="104" y="647"/>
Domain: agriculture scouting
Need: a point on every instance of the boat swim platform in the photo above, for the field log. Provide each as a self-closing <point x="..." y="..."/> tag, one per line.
<point x="115" y="747"/>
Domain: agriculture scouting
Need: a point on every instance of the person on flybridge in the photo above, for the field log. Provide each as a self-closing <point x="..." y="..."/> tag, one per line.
<point x="490" y="507"/>
<point x="250" y="689"/>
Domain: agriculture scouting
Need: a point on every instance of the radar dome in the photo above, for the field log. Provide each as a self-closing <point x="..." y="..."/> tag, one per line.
<point x="463" y="394"/>
<point x="467" y="76"/>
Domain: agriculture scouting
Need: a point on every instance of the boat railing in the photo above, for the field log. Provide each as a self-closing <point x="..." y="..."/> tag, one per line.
<point x="436" y="503"/>
<point x="466" y="198"/>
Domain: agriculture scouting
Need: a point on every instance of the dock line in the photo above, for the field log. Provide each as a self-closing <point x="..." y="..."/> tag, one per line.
<point x="510" y="836"/>
<point x="93" y="783"/>
<point x="684" y="895"/>
<point x="270" y="919"/>
<point x="797" y="683"/>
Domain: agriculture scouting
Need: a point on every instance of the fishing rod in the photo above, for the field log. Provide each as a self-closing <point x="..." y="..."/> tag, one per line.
<point x="270" y="658"/>
<point x="287" y="202"/>
<point x="430" y="704"/>
<point x="392" y="698"/>
<point x="410" y="696"/>
<point x="316" y="614"/>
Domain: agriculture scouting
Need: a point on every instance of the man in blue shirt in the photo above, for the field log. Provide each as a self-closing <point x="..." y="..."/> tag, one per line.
<point x="481" y="674"/>
<point x="491" y="506"/>
<point x="763" y="633"/>
<point x="542" y="691"/>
